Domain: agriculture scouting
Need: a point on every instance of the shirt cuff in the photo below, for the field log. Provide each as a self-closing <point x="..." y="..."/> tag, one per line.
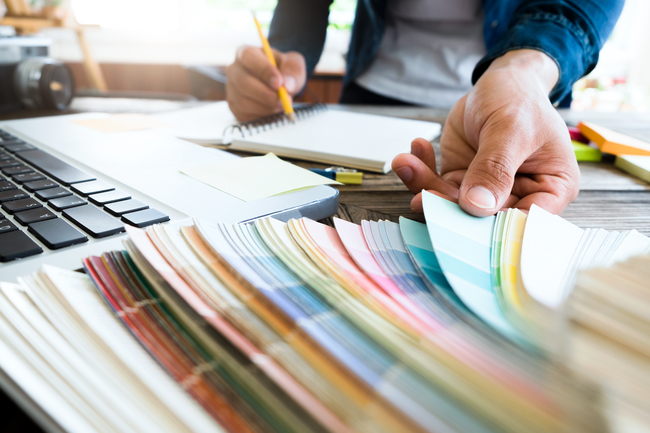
<point x="556" y="36"/>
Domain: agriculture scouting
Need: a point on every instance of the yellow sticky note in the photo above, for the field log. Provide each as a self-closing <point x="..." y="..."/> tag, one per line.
<point x="120" y="123"/>
<point x="256" y="177"/>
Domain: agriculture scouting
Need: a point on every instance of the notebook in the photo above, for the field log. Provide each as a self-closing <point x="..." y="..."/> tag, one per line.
<point x="319" y="134"/>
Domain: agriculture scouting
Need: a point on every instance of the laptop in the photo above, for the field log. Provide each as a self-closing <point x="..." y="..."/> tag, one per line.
<point x="66" y="191"/>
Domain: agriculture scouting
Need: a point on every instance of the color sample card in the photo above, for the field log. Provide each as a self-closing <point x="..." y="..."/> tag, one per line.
<point x="256" y="177"/>
<point x="462" y="245"/>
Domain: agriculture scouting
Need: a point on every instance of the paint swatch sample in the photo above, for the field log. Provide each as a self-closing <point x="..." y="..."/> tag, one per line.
<point x="462" y="245"/>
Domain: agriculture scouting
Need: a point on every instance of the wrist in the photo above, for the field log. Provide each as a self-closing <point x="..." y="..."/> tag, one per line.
<point x="531" y="64"/>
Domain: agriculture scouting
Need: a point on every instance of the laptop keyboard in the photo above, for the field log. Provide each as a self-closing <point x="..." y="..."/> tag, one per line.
<point x="46" y="199"/>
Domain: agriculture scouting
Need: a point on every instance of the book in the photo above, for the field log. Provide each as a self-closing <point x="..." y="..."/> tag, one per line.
<point x="320" y="134"/>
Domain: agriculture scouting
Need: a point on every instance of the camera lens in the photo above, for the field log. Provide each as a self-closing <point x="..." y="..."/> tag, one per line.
<point x="41" y="82"/>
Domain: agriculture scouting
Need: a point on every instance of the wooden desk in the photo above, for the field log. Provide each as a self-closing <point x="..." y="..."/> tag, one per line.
<point x="608" y="198"/>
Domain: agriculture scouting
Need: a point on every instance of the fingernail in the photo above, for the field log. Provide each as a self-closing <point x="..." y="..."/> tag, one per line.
<point x="481" y="197"/>
<point x="416" y="150"/>
<point x="290" y="84"/>
<point x="405" y="173"/>
<point x="274" y="82"/>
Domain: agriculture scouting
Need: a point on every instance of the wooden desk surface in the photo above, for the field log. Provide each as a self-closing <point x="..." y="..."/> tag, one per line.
<point x="608" y="198"/>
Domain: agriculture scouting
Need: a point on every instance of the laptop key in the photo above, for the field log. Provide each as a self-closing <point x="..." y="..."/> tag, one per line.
<point x="20" y="205"/>
<point x="108" y="197"/>
<point x="19" y="147"/>
<point x="38" y="185"/>
<point x="20" y="169"/>
<point x="121" y="207"/>
<point x="53" y="166"/>
<point x="4" y="156"/>
<point x="16" y="245"/>
<point x="27" y="177"/>
<point x="7" y="226"/>
<point x="66" y="202"/>
<point x="15" y="194"/>
<point x="34" y="215"/>
<point x="57" y="233"/>
<point x="49" y="194"/>
<point x="145" y="218"/>
<point x="6" y="186"/>
<point x="11" y="142"/>
<point x="10" y="163"/>
<point x="93" y="221"/>
<point x="94" y="187"/>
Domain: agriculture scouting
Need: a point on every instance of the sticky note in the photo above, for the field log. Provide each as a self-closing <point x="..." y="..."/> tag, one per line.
<point x="121" y="123"/>
<point x="256" y="177"/>
<point x="584" y="152"/>
<point x="613" y="142"/>
<point x="636" y="165"/>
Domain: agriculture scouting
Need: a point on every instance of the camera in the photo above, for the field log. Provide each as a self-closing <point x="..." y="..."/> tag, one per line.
<point x="28" y="77"/>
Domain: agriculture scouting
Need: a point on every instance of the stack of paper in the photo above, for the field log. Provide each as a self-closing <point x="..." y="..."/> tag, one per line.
<point x="303" y="327"/>
<point x="610" y="337"/>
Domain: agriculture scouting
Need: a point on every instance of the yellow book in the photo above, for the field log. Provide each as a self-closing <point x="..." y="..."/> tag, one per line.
<point x="613" y="142"/>
<point x="636" y="165"/>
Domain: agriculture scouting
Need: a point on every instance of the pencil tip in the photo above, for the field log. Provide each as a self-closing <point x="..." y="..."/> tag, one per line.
<point x="291" y="117"/>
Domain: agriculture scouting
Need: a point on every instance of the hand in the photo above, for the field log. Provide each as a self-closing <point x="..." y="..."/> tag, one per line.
<point x="253" y="82"/>
<point x="503" y="145"/>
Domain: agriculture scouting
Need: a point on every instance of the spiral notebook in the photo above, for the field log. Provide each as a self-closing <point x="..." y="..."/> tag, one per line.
<point x="364" y="141"/>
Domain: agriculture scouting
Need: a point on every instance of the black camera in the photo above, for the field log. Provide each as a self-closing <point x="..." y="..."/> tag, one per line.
<point x="28" y="77"/>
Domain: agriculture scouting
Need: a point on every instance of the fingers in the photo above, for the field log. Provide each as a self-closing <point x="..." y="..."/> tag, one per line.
<point x="293" y="69"/>
<point x="488" y="181"/>
<point x="423" y="150"/>
<point x="417" y="176"/>
<point x="546" y="200"/>
<point x="255" y="62"/>
<point x="253" y="82"/>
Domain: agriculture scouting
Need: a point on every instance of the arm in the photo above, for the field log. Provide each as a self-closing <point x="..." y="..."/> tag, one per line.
<point x="504" y="145"/>
<point x="297" y="34"/>
<point x="570" y="32"/>
<point x="300" y="25"/>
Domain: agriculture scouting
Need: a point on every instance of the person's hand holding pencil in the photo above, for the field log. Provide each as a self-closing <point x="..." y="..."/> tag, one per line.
<point x="255" y="83"/>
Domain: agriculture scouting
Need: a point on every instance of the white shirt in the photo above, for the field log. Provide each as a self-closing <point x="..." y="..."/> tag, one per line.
<point x="428" y="51"/>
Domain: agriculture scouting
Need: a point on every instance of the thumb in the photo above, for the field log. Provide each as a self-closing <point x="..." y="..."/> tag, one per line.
<point x="488" y="182"/>
<point x="293" y="68"/>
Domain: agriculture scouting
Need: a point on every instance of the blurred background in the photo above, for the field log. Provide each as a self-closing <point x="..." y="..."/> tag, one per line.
<point x="180" y="46"/>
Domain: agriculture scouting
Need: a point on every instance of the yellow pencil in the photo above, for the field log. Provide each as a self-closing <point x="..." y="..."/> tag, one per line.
<point x="284" y="96"/>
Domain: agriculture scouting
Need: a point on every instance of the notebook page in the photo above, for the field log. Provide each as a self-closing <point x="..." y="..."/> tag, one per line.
<point x="363" y="141"/>
<point x="202" y="125"/>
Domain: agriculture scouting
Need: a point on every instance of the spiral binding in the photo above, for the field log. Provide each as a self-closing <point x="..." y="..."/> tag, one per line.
<point x="275" y="120"/>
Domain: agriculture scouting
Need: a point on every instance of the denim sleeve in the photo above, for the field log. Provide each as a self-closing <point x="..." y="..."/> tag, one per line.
<point x="301" y="25"/>
<point x="571" y="32"/>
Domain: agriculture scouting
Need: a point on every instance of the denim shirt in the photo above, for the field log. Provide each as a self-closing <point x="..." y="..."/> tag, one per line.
<point x="571" y="32"/>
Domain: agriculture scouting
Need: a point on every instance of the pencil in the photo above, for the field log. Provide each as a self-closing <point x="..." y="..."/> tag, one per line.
<point x="282" y="92"/>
